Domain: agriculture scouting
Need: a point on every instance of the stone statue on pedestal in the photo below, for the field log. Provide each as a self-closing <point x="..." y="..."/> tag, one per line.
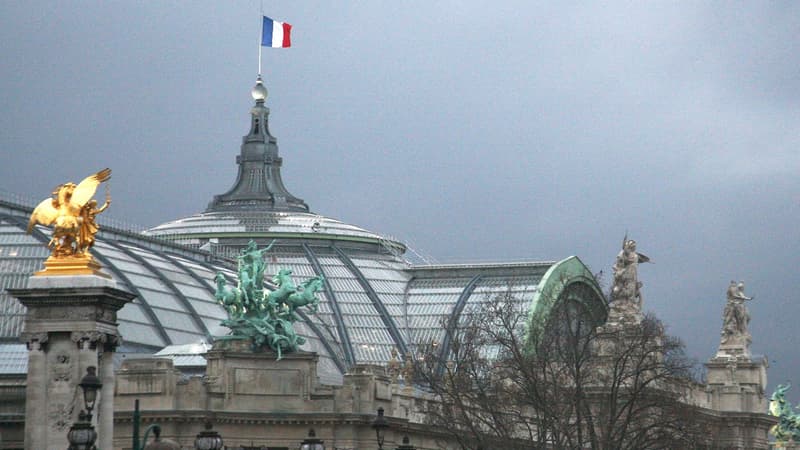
<point x="735" y="337"/>
<point x="393" y="368"/>
<point x="736" y="318"/>
<point x="626" y="298"/>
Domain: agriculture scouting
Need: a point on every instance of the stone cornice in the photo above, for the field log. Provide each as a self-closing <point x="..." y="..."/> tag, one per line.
<point x="109" y="297"/>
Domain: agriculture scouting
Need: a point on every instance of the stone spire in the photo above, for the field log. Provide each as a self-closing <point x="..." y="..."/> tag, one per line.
<point x="258" y="185"/>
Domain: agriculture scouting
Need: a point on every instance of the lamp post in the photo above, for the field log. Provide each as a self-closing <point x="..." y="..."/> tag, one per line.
<point x="406" y="445"/>
<point x="208" y="439"/>
<point x="90" y="384"/>
<point x="81" y="435"/>
<point x="380" y="425"/>
<point x="311" y="442"/>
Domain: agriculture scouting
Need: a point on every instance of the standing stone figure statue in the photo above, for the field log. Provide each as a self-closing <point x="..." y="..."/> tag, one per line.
<point x="393" y="368"/>
<point x="736" y="318"/>
<point x="626" y="298"/>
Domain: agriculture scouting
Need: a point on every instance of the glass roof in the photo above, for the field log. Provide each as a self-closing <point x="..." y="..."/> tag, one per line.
<point x="372" y="301"/>
<point x="260" y="222"/>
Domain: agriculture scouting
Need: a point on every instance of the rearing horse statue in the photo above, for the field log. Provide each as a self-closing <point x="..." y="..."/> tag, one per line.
<point x="286" y="287"/>
<point x="229" y="296"/>
<point x="305" y="296"/>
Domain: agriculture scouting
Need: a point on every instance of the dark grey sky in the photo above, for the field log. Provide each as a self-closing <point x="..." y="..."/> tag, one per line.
<point x="474" y="131"/>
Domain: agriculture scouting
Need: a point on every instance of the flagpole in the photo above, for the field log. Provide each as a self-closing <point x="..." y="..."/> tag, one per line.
<point x="261" y="20"/>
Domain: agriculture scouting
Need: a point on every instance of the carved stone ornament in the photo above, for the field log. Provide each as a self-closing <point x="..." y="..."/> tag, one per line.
<point x="61" y="367"/>
<point x="34" y="341"/>
<point x="93" y="337"/>
<point x="78" y="314"/>
<point x="59" y="416"/>
<point x="107" y="315"/>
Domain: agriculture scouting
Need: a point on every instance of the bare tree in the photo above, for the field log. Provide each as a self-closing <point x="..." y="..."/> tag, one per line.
<point x="570" y="384"/>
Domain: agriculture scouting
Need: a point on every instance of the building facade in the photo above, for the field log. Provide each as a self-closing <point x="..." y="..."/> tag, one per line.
<point x="374" y="303"/>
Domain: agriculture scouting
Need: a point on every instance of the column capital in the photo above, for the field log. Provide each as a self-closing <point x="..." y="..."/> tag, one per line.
<point x="33" y="341"/>
<point x="96" y="339"/>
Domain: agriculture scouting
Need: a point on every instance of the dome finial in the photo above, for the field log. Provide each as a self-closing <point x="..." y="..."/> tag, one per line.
<point x="259" y="92"/>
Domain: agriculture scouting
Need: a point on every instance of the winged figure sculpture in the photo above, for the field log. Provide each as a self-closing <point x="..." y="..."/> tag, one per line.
<point x="71" y="212"/>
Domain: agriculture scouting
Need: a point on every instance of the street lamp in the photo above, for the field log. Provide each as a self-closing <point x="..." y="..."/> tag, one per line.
<point x="406" y="445"/>
<point x="312" y="443"/>
<point x="90" y="384"/>
<point x="81" y="435"/>
<point x="208" y="439"/>
<point x="380" y="425"/>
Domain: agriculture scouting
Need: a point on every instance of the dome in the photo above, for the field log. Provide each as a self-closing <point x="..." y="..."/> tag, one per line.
<point x="212" y="229"/>
<point x="372" y="301"/>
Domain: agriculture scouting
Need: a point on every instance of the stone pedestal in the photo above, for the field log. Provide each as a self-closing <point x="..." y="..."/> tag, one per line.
<point x="71" y="324"/>
<point x="737" y="384"/>
<point x="734" y="346"/>
<point x="735" y="388"/>
<point x="239" y="379"/>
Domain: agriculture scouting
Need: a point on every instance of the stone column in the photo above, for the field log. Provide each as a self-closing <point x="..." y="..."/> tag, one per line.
<point x="69" y="321"/>
<point x="105" y="412"/>
<point x="35" y="399"/>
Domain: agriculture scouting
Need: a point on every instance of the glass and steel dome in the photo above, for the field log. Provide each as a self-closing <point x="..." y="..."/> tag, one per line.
<point x="373" y="300"/>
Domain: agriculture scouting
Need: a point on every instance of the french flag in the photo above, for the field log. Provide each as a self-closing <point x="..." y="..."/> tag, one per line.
<point x="276" y="34"/>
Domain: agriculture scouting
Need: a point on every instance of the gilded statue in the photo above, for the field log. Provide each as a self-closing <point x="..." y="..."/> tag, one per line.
<point x="71" y="211"/>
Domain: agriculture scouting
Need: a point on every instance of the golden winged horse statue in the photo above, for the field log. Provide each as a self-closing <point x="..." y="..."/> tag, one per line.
<point x="71" y="212"/>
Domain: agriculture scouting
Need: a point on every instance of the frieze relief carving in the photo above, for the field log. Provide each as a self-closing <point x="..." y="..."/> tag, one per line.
<point x="59" y="416"/>
<point x="75" y="313"/>
<point x="61" y="367"/>
<point x="85" y="312"/>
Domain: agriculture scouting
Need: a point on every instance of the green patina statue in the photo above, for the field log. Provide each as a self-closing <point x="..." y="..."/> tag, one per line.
<point x="788" y="427"/>
<point x="266" y="317"/>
